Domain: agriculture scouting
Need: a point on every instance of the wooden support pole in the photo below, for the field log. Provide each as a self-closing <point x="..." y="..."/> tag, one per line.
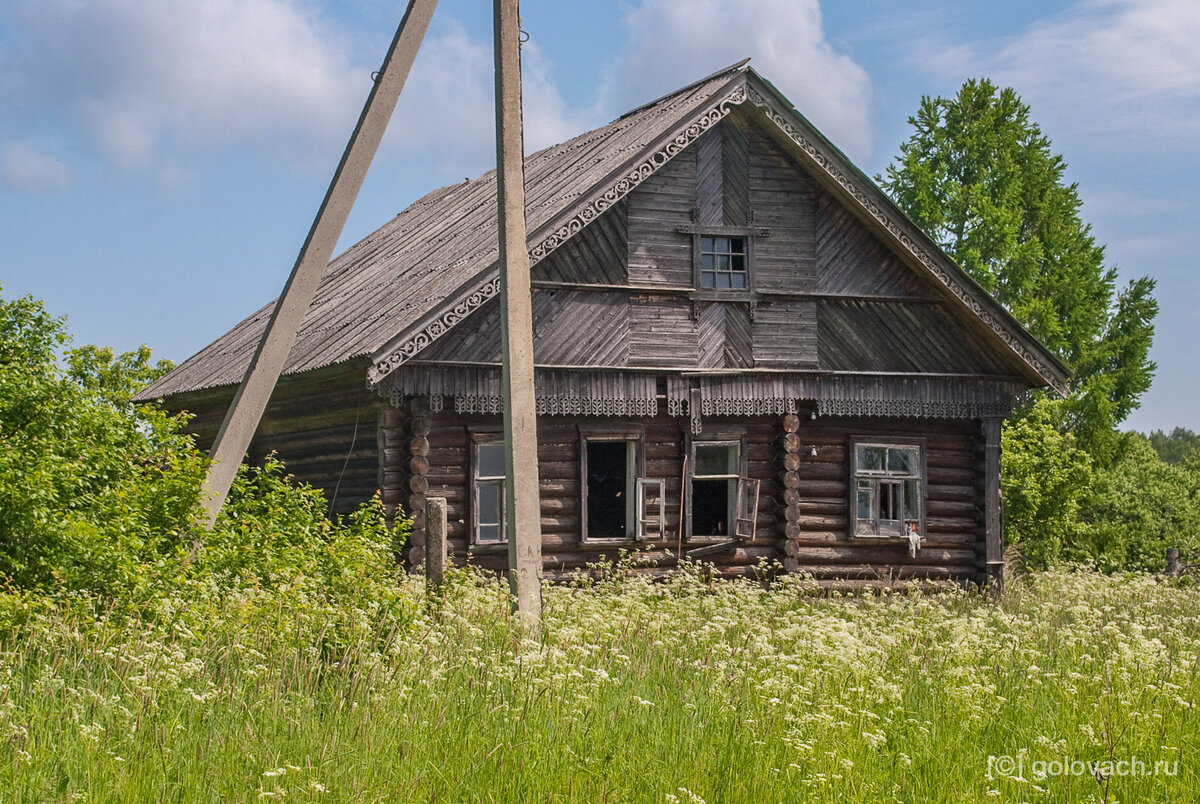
<point x="252" y="396"/>
<point x="992" y="522"/>
<point x="522" y="509"/>
<point x="436" y="552"/>
<point x="1173" y="561"/>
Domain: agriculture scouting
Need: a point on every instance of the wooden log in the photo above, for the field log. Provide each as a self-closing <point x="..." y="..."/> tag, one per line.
<point x="791" y="423"/>
<point x="789" y="461"/>
<point x="790" y="442"/>
<point x="420" y="426"/>
<point x="789" y="480"/>
<point x="418" y="465"/>
<point x="418" y="445"/>
<point x="859" y="553"/>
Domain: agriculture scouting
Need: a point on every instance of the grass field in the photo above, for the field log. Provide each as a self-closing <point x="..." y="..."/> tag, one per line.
<point x="683" y="691"/>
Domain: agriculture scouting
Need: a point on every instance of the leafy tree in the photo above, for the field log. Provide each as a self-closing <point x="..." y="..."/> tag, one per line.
<point x="1044" y="480"/>
<point x="1176" y="447"/>
<point x="980" y="177"/>
<point x="1140" y="506"/>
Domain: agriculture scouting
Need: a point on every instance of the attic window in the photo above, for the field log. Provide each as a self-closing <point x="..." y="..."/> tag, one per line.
<point x="724" y="262"/>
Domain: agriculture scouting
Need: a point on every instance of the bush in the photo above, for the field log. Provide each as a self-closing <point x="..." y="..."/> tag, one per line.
<point x="100" y="497"/>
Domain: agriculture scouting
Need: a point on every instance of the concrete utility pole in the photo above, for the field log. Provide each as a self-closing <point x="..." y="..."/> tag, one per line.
<point x="522" y="510"/>
<point x="252" y="396"/>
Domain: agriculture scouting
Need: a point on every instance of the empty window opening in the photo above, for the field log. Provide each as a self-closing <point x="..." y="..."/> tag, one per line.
<point x="610" y="490"/>
<point x="714" y="488"/>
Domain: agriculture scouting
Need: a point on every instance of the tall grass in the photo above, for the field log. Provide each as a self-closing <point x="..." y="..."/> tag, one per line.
<point x="684" y="690"/>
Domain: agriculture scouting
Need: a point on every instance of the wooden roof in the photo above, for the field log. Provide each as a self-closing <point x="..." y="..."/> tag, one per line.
<point x="404" y="286"/>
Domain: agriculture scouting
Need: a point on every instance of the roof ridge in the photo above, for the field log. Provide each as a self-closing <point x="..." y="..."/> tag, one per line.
<point x="730" y="69"/>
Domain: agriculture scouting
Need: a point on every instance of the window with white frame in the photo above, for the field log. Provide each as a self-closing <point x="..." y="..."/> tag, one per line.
<point x="487" y="492"/>
<point x="889" y="488"/>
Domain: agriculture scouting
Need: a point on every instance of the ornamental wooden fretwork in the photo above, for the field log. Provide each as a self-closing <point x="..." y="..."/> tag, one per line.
<point x="472" y="300"/>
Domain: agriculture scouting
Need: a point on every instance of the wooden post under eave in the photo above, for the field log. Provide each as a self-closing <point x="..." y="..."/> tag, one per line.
<point x="522" y="510"/>
<point x="992" y="522"/>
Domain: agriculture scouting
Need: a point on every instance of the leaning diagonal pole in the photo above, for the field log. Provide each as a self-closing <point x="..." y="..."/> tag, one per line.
<point x="241" y="420"/>
<point x="522" y="509"/>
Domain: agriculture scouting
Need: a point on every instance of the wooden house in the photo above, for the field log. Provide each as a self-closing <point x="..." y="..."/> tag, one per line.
<point x="744" y="351"/>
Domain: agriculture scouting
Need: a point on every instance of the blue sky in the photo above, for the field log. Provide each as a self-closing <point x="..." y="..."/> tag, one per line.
<point x="161" y="162"/>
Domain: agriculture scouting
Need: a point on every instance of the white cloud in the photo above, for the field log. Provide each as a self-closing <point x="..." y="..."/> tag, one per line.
<point x="25" y="166"/>
<point x="446" y="113"/>
<point x="1104" y="67"/>
<point x="136" y="78"/>
<point x="152" y="84"/>
<point x="674" y="42"/>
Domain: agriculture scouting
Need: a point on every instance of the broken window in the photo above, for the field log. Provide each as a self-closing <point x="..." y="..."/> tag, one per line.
<point x="610" y="473"/>
<point x="724" y="262"/>
<point x="714" y="469"/>
<point x="889" y="488"/>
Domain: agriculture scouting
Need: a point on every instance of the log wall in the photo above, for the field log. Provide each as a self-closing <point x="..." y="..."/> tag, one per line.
<point x="321" y="423"/>
<point x="803" y="505"/>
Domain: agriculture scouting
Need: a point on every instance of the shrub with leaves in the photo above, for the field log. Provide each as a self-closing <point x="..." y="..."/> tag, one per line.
<point x="101" y="497"/>
<point x="93" y="490"/>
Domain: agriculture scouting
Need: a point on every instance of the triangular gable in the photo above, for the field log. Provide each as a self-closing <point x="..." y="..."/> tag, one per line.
<point x="407" y="285"/>
<point x="836" y="174"/>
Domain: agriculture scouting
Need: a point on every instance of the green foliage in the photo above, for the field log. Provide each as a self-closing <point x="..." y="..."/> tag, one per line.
<point x="1141" y="506"/>
<point x="93" y="491"/>
<point x="100" y="497"/>
<point x="979" y="175"/>
<point x="1045" y="478"/>
<point x="1177" y="447"/>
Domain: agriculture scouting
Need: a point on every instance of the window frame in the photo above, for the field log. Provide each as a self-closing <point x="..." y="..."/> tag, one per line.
<point x="735" y="438"/>
<point x="891" y="478"/>
<point x="746" y="234"/>
<point x="634" y="439"/>
<point x="479" y="440"/>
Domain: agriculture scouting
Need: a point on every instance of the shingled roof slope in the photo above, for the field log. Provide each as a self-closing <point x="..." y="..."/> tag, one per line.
<point x="387" y="282"/>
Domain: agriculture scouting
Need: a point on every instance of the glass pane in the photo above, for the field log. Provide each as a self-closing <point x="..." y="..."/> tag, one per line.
<point x="721" y="245"/>
<point x="912" y="500"/>
<point x="739" y="280"/>
<point x="489" y="534"/>
<point x="903" y="460"/>
<point x="722" y="262"/>
<point x="708" y="279"/>
<point x="706" y="244"/>
<point x="723" y="281"/>
<point x="870" y="459"/>
<point x="864" y="501"/>
<point x="706" y="262"/>
<point x="490" y="504"/>
<point x="716" y="459"/>
<point x="489" y="460"/>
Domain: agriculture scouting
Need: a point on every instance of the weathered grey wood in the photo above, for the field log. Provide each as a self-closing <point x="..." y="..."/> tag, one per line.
<point x="436" y="545"/>
<point x="993" y="532"/>
<point x="237" y="431"/>
<point x="1173" y="569"/>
